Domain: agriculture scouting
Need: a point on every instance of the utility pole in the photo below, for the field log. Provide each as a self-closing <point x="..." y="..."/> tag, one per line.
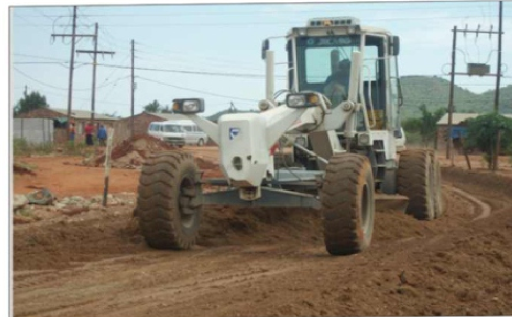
<point x="498" y="73"/>
<point x="132" y="97"/>
<point x="26" y="92"/>
<point x="478" y="69"/>
<point x="94" y="64"/>
<point x="73" y="35"/>
<point x="497" y="94"/>
<point x="450" y="100"/>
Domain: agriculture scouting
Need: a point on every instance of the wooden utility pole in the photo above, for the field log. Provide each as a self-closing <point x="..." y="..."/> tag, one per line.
<point x="132" y="99"/>
<point x="450" y="100"/>
<point x="497" y="94"/>
<point x="94" y="53"/>
<point x="73" y="35"/>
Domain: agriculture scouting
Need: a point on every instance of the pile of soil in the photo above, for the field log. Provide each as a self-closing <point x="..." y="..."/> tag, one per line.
<point x="21" y="169"/>
<point x="134" y="151"/>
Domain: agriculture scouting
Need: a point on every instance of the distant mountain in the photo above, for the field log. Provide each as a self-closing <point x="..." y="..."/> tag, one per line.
<point x="434" y="92"/>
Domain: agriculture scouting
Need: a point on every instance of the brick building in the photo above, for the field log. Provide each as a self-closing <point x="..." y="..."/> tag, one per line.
<point x="59" y="117"/>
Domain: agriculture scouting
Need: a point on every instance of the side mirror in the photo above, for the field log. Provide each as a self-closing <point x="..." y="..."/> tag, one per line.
<point x="394" y="47"/>
<point x="264" y="48"/>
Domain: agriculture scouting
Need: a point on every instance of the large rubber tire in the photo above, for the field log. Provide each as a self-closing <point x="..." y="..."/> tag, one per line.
<point x="348" y="204"/>
<point x="169" y="203"/>
<point x="417" y="181"/>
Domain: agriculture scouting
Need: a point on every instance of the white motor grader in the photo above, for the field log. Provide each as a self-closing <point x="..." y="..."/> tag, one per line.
<point x="344" y="95"/>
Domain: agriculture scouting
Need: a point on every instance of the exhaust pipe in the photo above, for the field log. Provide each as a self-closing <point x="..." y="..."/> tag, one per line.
<point x="269" y="75"/>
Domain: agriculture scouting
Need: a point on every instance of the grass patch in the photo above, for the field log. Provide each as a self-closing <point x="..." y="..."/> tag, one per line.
<point x="23" y="148"/>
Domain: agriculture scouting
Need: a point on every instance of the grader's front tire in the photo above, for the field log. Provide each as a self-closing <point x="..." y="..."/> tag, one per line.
<point x="169" y="204"/>
<point x="348" y="204"/>
<point x="419" y="178"/>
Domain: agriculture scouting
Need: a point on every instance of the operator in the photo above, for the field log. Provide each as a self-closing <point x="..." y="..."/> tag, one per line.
<point x="336" y="85"/>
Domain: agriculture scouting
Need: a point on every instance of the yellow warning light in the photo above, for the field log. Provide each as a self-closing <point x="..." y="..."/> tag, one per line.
<point x="327" y="23"/>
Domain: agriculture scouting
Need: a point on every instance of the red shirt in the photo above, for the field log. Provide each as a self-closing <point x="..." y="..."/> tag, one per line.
<point x="88" y="129"/>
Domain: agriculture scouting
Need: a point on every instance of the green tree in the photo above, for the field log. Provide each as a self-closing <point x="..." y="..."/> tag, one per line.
<point x="166" y="109"/>
<point x="423" y="127"/>
<point x="483" y="134"/>
<point x="428" y="123"/>
<point x="29" y="102"/>
<point x="153" y="107"/>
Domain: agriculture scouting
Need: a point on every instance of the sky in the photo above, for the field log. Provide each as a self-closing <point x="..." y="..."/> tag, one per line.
<point x="221" y="44"/>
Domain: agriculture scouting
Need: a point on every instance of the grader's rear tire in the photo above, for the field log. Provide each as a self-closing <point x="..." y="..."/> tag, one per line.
<point x="348" y="204"/>
<point x="419" y="179"/>
<point x="169" y="204"/>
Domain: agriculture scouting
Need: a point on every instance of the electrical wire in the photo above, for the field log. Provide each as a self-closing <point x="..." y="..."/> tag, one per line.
<point x="256" y="76"/>
<point x="194" y="90"/>
<point x="238" y="13"/>
<point x="225" y="74"/>
<point x="77" y="89"/>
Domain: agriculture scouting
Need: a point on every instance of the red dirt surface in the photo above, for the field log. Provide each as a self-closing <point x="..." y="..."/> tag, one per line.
<point x="271" y="262"/>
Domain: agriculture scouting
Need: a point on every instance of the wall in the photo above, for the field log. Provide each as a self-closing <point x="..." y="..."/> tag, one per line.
<point x="40" y="113"/>
<point x="141" y="124"/>
<point x="33" y="130"/>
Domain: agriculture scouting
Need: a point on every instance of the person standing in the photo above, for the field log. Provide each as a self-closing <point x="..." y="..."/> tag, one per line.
<point x="102" y="135"/>
<point x="88" y="134"/>
<point x="72" y="131"/>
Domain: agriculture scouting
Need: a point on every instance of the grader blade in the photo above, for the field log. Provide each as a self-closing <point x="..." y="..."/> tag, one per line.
<point x="391" y="203"/>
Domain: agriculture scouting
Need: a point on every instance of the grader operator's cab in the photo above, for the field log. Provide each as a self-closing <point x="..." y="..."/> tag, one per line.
<point x="319" y="59"/>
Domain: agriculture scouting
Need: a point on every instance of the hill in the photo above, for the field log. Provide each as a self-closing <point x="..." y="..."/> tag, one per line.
<point x="434" y="91"/>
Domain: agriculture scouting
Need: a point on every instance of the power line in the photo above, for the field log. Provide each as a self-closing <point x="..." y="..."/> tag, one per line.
<point x="240" y="75"/>
<point x="61" y="88"/>
<point x="189" y="72"/>
<point x="252" y="23"/>
<point x="194" y="90"/>
<point x="209" y="13"/>
<point x="210" y="59"/>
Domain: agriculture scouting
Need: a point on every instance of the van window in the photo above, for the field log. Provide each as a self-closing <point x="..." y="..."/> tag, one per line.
<point x="187" y="128"/>
<point x="153" y="127"/>
<point x="171" y="128"/>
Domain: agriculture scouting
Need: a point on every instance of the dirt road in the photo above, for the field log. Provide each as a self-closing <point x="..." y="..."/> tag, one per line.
<point x="273" y="263"/>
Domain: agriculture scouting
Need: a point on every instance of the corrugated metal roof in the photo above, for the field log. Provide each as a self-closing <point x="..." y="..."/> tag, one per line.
<point x="84" y="114"/>
<point x="458" y="118"/>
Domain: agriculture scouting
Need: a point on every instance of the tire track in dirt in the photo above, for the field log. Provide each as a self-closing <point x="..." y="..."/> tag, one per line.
<point x="484" y="208"/>
<point x="252" y="272"/>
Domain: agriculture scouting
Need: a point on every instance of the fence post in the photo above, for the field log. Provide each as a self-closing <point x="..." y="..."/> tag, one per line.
<point x="108" y="152"/>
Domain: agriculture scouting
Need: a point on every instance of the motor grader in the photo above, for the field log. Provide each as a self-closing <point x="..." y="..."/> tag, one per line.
<point x="348" y="145"/>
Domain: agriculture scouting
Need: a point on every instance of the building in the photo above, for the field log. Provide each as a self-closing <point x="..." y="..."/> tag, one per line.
<point x="459" y="122"/>
<point x="59" y="117"/>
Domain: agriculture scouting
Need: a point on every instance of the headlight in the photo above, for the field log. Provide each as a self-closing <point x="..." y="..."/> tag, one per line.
<point x="301" y="141"/>
<point x="192" y="105"/>
<point x="304" y="100"/>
